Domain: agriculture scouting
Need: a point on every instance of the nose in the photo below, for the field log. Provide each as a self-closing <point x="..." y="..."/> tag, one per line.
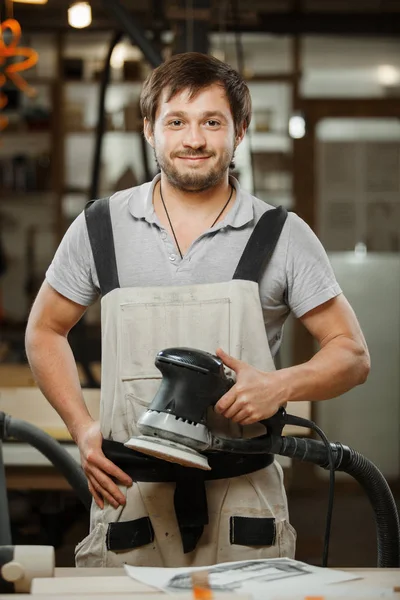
<point x="194" y="137"/>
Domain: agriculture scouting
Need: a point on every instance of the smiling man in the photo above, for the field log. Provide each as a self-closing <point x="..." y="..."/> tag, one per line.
<point x="188" y="260"/>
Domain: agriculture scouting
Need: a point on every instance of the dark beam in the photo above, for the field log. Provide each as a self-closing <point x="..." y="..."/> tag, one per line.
<point x="330" y="23"/>
<point x="130" y="25"/>
<point x="192" y="22"/>
<point x="374" y="24"/>
<point x="322" y="108"/>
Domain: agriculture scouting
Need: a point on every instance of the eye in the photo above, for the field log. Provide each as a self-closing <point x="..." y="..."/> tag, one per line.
<point x="175" y="123"/>
<point x="212" y="123"/>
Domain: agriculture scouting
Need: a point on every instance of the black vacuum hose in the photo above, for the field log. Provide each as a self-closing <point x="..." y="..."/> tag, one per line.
<point x="383" y="503"/>
<point x="368" y="476"/>
<point x="344" y="459"/>
<point x="51" y="449"/>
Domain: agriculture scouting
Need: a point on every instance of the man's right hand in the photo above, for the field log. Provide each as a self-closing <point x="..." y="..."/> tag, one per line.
<point x="98" y="468"/>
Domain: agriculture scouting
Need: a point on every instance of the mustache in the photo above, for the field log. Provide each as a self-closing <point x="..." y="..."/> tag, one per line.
<point x="192" y="154"/>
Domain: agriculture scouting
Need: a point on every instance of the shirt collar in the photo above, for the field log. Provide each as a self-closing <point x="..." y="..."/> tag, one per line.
<point x="141" y="205"/>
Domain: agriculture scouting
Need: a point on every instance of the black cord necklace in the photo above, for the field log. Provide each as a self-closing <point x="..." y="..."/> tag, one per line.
<point x="169" y="220"/>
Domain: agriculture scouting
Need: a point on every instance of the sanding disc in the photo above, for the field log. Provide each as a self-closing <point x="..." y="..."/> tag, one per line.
<point x="169" y="451"/>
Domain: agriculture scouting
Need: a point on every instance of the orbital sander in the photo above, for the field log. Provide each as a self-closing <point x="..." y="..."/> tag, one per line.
<point x="174" y="428"/>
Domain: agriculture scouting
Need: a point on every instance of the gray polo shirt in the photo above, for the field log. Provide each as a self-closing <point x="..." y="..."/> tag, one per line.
<point x="298" y="278"/>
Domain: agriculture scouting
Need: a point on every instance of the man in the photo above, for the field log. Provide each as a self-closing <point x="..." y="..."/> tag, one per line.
<point x="178" y="241"/>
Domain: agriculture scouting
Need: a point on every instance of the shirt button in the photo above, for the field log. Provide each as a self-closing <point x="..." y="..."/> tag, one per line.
<point x="163" y="235"/>
<point x="172" y="257"/>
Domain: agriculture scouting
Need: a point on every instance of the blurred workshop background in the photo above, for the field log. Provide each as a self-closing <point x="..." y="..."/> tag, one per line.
<point x="324" y="142"/>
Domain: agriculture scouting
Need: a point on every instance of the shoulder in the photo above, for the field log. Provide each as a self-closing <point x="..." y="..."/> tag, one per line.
<point x="132" y="200"/>
<point x="259" y="206"/>
<point x="294" y="225"/>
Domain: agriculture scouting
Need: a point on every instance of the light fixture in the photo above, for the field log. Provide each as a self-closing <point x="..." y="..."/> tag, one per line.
<point x="360" y="250"/>
<point x="30" y="1"/>
<point x="118" y="56"/>
<point x="297" y="127"/>
<point x="80" y="15"/>
<point x="388" y="75"/>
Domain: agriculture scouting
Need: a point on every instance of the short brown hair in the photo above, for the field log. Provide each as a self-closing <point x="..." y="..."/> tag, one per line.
<point x="196" y="71"/>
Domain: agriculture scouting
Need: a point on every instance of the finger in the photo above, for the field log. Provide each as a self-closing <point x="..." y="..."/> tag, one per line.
<point x="117" y="473"/>
<point x="240" y="417"/>
<point x="99" y="460"/>
<point x="228" y="360"/>
<point x="97" y="498"/>
<point x="108" y="486"/>
<point x="248" y="420"/>
<point x="101" y="488"/>
<point x="240" y="406"/>
<point x="226" y="401"/>
<point x="100" y="492"/>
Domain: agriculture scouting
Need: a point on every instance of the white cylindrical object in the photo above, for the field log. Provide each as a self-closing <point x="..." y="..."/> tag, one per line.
<point x="28" y="562"/>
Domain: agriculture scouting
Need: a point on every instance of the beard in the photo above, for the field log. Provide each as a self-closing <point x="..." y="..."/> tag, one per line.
<point x="190" y="180"/>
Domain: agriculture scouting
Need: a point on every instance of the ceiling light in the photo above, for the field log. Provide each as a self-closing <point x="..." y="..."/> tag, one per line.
<point x="30" y="1"/>
<point x="80" y="15"/>
<point x="297" y="127"/>
<point x="388" y="75"/>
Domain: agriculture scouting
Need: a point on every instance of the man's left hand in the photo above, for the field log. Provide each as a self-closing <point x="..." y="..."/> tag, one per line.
<point x="256" y="395"/>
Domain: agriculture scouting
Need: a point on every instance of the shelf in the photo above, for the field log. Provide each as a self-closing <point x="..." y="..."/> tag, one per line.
<point x="39" y="80"/>
<point x="27" y="133"/>
<point x="31" y="196"/>
<point x="69" y="189"/>
<point x="83" y="82"/>
<point x="271" y="78"/>
<point x="81" y="191"/>
<point x="269" y="142"/>
<point x="108" y="131"/>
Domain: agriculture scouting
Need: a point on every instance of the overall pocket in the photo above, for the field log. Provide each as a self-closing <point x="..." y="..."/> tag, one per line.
<point x="139" y="393"/>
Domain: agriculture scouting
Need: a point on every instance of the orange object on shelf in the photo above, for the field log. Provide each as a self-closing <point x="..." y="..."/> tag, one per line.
<point x="11" y="71"/>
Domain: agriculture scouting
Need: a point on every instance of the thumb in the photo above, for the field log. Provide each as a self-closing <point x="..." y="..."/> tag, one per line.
<point x="228" y="360"/>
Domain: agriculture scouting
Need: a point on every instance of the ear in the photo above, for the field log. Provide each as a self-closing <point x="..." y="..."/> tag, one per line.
<point x="240" y="135"/>
<point x="148" y="132"/>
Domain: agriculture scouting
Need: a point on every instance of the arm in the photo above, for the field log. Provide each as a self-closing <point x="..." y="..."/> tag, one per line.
<point x="341" y="363"/>
<point x="53" y="366"/>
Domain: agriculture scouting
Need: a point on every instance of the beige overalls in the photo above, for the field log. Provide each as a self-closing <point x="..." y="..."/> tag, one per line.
<point x="136" y="324"/>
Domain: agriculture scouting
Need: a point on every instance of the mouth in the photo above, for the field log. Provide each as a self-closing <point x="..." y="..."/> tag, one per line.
<point x="194" y="159"/>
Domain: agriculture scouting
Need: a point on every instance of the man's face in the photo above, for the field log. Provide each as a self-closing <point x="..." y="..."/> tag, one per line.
<point x="194" y="139"/>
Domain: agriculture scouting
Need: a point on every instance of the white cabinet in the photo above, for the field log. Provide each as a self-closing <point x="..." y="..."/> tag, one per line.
<point x="368" y="417"/>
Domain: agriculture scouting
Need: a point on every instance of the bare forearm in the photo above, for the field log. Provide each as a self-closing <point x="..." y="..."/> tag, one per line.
<point x="53" y="366"/>
<point x="336" y="368"/>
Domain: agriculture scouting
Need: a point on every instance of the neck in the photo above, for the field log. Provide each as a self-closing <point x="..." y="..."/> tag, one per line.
<point x="201" y="203"/>
<point x="186" y="215"/>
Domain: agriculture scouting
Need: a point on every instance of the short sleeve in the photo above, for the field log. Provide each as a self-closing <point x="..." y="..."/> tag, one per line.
<point x="310" y="277"/>
<point x="72" y="272"/>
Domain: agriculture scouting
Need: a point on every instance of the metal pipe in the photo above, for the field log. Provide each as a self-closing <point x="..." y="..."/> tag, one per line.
<point x="5" y="528"/>
<point x="100" y="126"/>
<point x="135" y="33"/>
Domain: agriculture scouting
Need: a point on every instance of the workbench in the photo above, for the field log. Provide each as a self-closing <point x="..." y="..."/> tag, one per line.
<point x="107" y="584"/>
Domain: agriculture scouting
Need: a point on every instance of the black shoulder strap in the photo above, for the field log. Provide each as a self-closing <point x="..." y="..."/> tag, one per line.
<point x="261" y="245"/>
<point x="98" y="222"/>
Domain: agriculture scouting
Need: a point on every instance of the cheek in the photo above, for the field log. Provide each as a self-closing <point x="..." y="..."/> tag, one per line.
<point x="163" y="144"/>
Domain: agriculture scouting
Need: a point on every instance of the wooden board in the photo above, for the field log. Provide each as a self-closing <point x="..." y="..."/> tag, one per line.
<point x="29" y="404"/>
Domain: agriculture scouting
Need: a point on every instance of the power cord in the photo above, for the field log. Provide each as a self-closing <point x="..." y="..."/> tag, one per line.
<point x="293" y="420"/>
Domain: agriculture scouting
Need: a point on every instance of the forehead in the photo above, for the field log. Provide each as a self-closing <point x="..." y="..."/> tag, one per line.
<point x="207" y="99"/>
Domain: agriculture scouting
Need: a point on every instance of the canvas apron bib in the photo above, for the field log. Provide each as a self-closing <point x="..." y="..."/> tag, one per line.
<point x="247" y="515"/>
